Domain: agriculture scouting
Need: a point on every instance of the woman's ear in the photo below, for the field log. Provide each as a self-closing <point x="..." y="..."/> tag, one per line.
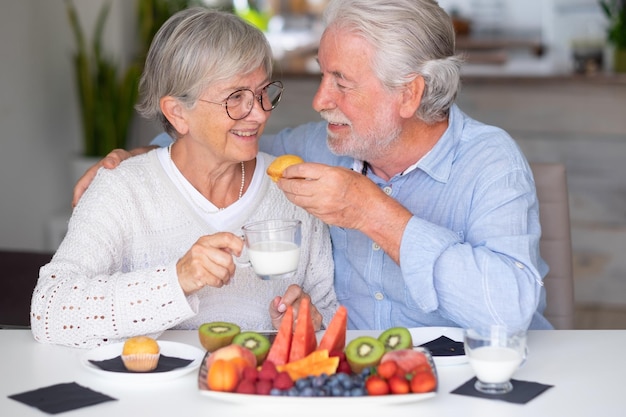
<point x="174" y="112"/>
<point x="412" y="97"/>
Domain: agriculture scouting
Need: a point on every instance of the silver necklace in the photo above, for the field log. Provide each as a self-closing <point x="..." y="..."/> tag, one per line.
<point x="243" y="179"/>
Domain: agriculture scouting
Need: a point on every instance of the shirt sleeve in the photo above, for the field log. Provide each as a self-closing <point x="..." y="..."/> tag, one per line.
<point x="488" y="273"/>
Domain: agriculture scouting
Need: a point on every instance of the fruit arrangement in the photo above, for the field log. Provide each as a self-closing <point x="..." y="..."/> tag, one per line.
<point x="294" y="364"/>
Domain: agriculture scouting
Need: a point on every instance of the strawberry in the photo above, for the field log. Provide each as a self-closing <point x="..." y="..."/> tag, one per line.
<point x="423" y="382"/>
<point x="387" y="369"/>
<point x="375" y="385"/>
<point x="398" y="385"/>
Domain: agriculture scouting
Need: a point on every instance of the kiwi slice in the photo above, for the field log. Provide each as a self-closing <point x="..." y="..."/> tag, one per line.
<point x="396" y="338"/>
<point x="363" y="352"/>
<point x="217" y="334"/>
<point x="255" y="342"/>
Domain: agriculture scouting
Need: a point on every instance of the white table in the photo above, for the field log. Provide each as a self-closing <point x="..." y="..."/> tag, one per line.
<point x="585" y="367"/>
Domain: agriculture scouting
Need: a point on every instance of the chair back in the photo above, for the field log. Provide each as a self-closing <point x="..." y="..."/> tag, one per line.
<point x="556" y="242"/>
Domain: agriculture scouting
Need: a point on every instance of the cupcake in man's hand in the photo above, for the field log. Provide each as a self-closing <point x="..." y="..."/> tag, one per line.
<point x="141" y="354"/>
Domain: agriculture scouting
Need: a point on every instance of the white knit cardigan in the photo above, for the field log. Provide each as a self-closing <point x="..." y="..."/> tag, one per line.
<point x="114" y="274"/>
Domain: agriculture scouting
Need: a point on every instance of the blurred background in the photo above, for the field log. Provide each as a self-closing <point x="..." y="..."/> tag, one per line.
<point x="544" y="70"/>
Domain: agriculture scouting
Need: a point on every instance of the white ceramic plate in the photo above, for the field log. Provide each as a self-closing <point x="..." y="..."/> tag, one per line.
<point x="300" y="401"/>
<point x="421" y="335"/>
<point x="315" y="401"/>
<point x="173" y="349"/>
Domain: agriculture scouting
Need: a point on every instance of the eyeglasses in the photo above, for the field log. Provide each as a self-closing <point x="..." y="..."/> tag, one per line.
<point x="240" y="103"/>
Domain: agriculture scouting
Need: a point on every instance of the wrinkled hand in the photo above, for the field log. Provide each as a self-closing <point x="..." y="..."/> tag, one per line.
<point x="337" y="196"/>
<point x="112" y="160"/>
<point x="209" y="262"/>
<point x="293" y="297"/>
<point x="341" y="197"/>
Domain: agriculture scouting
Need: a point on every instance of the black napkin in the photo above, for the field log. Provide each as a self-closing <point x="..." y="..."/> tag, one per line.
<point x="523" y="391"/>
<point x="444" y="346"/>
<point x="61" y="397"/>
<point x="166" y="363"/>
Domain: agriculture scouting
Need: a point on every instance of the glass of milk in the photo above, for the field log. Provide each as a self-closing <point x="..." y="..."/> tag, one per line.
<point x="273" y="247"/>
<point x="494" y="354"/>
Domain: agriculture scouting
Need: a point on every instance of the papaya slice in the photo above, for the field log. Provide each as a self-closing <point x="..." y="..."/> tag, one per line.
<point x="326" y="366"/>
<point x="334" y="338"/>
<point x="307" y="361"/>
<point x="304" y="340"/>
<point x="314" y="364"/>
<point x="281" y="347"/>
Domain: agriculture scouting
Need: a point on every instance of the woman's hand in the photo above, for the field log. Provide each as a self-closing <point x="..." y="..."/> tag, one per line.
<point x="209" y="262"/>
<point x="293" y="297"/>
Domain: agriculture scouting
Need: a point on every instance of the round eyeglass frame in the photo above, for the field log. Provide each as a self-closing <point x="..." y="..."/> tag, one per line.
<point x="258" y="97"/>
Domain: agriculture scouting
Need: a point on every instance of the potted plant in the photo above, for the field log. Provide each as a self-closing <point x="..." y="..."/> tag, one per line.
<point x="107" y="90"/>
<point x="615" y="11"/>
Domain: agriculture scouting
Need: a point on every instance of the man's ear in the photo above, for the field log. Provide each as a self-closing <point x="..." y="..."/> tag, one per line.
<point x="174" y="112"/>
<point x="412" y="97"/>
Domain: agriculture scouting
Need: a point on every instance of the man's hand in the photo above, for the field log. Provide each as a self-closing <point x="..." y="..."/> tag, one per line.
<point x="112" y="160"/>
<point x="209" y="262"/>
<point x="293" y="297"/>
<point x="341" y="197"/>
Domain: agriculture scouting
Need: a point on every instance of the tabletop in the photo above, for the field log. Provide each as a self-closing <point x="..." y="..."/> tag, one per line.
<point x="585" y="368"/>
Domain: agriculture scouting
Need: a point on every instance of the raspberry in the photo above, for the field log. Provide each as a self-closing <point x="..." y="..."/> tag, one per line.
<point x="283" y="381"/>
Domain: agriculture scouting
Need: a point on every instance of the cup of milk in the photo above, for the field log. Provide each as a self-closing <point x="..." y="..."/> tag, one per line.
<point x="494" y="353"/>
<point x="273" y="247"/>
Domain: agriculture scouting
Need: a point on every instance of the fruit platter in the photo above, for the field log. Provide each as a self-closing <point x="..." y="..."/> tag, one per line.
<point x="291" y="365"/>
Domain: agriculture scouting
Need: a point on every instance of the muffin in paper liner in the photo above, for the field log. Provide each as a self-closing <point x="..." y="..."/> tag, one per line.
<point x="141" y="362"/>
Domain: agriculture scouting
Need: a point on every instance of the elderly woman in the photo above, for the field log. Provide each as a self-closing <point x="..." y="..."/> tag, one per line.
<point x="150" y="246"/>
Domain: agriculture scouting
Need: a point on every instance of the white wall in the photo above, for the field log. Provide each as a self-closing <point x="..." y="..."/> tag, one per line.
<point x="39" y="125"/>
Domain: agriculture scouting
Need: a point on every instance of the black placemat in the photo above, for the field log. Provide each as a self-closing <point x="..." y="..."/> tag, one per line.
<point x="166" y="363"/>
<point x="59" y="398"/>
<point x="523" y="391"/>
<point x="444" y="346"/>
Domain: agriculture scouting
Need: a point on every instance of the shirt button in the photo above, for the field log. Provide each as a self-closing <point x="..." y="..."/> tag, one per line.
<point x="379" y="296"/>
<point x="519" y="265"/>
<point x="387" y="190"/>
<point x="375" y="246"/>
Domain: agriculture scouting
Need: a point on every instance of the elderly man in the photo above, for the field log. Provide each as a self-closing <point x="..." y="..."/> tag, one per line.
<point x="434" y="216"/>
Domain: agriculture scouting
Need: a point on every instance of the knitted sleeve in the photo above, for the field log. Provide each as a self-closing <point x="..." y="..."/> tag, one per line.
<point x="102" y="285"/>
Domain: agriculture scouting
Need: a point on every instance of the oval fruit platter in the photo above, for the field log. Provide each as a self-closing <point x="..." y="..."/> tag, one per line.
<point x="240" y="367"/>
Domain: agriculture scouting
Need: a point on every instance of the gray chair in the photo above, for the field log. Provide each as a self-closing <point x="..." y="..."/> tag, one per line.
<point x="556" y="242"/>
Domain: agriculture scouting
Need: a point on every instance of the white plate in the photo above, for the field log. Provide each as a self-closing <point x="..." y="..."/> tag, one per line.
<point x="173" y="349"/>
<point x="421" y="335"/>
<point x="275" y="400"/>
<point x="299" y="401"/>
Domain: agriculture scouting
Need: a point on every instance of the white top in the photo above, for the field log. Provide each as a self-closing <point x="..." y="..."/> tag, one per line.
<point x="114" y="274"/>
<point x="585" y="367"/>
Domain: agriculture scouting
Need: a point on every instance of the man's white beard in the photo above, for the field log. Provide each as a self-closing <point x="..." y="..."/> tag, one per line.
<point x="374" y="144"/>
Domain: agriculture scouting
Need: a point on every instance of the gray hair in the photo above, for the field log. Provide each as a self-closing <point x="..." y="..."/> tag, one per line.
<point x="195" y="48"/>
<point x="410" y="38"/>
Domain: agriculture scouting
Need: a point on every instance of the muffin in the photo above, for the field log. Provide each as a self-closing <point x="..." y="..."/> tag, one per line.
<point x="141" y="354"/>
<point x="278" y="165"/>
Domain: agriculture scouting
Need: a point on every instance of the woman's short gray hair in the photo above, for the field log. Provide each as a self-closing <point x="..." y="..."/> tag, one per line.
<point x="193" y="49"/>
<point x="410" y="38"/>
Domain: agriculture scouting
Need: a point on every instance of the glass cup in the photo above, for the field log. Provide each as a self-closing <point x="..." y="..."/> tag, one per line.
<point x="494" y="354"/>
<point x="272" y="248"/>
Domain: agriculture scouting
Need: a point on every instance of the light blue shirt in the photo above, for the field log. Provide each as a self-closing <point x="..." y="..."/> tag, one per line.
<point x="469" y="256"/>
